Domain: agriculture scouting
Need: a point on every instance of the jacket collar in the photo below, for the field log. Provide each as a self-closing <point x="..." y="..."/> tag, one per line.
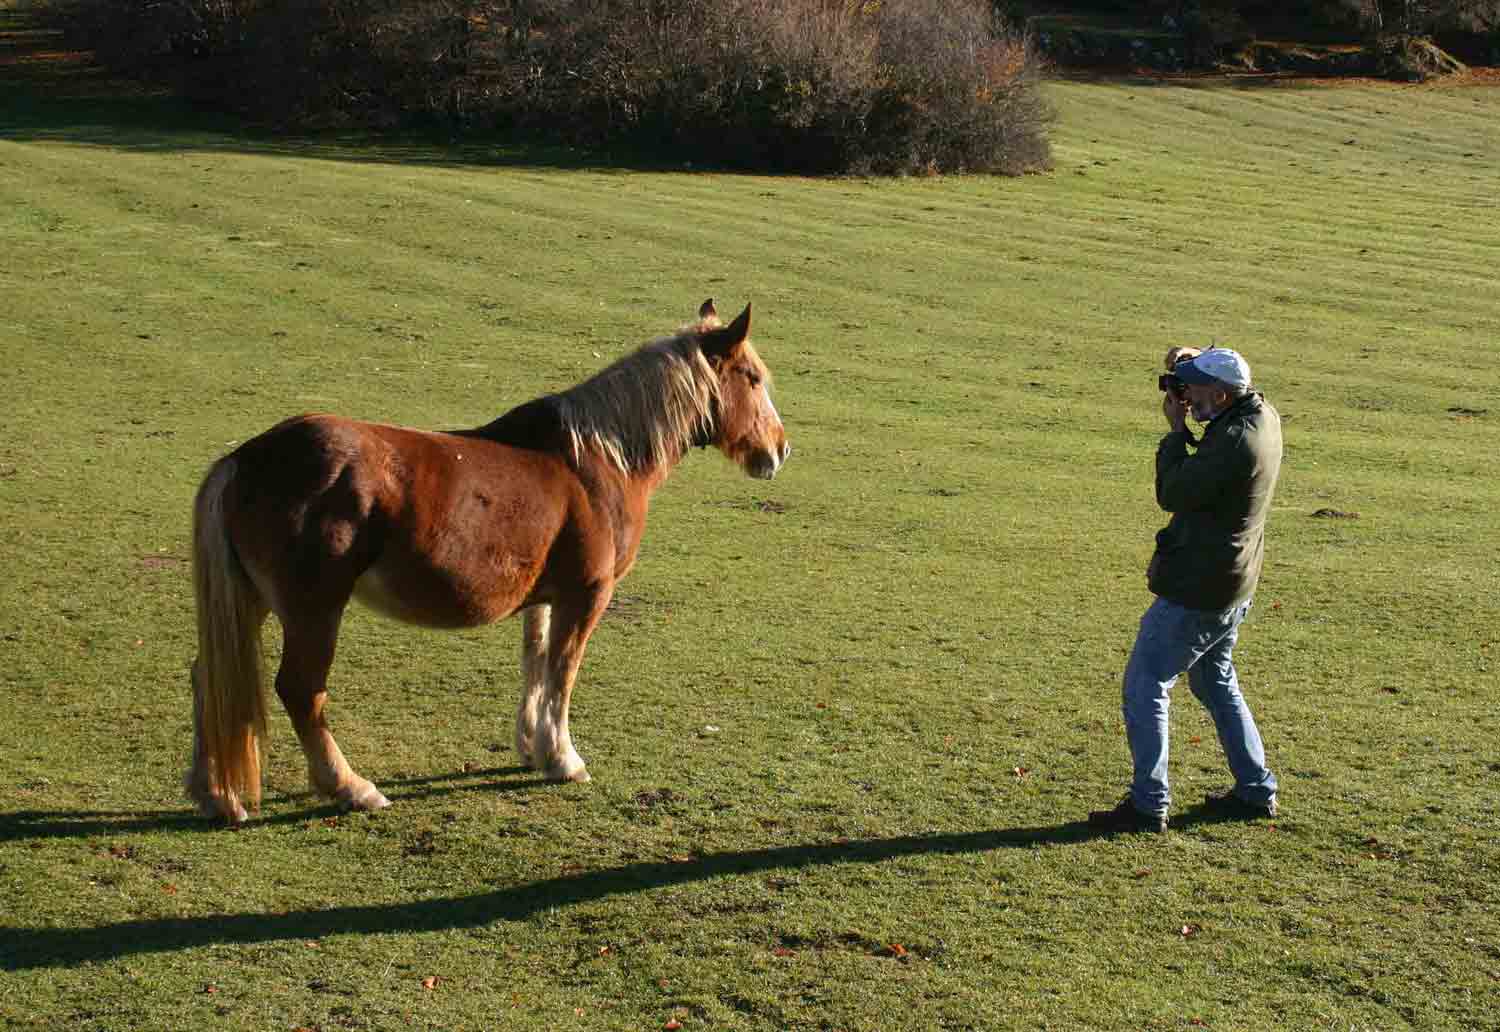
<point x="1249" y="403"/>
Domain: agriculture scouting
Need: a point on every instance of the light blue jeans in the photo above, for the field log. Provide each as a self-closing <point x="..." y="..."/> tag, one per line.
<point x="1172" y="639"/>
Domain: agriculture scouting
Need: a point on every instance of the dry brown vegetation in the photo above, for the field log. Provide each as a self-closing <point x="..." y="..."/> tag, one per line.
<point x="807" y="85"/>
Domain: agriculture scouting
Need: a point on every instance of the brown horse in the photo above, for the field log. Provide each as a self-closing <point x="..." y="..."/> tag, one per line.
<point x="540" y="511"/>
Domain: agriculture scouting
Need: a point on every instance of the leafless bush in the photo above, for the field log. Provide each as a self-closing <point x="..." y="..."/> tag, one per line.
<point x="882" y="86"/>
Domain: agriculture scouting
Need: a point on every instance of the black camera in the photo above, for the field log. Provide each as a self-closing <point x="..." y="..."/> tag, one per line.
<point x="1171" y="384"/>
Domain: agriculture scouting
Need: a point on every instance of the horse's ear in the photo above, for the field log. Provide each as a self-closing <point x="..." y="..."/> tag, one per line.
<point x="718" y="343"/>
<point x="707" y="310"/>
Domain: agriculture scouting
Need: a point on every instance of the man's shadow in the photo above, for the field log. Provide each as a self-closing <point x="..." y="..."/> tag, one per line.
<point x="47" y="947"/>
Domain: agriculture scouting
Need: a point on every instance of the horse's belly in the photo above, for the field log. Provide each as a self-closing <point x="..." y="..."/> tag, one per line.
<point x="430" y="600"/>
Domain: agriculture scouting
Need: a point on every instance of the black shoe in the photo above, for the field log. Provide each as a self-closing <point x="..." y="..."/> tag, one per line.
<point x="1126" y="817"/>
<point x="1231" y="807"/>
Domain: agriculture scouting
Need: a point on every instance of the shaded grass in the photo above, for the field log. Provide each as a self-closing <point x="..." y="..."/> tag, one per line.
<point x="907" y="647"/>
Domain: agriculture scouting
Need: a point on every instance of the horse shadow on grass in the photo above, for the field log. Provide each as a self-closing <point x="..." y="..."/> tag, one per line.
<point x="21" y="825"/>
<point x="50" y="947"/>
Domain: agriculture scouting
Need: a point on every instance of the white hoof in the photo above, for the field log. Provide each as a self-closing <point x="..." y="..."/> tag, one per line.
<point x="214" y="806"/>
<point x="363" y="796"/>
<point x="571" y="771"/>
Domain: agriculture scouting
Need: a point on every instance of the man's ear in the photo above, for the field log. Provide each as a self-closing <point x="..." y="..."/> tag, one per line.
<point x="717" y="344"/>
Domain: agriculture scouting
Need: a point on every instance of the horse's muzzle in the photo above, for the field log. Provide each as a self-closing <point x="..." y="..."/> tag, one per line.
<point x="766" y="465"/>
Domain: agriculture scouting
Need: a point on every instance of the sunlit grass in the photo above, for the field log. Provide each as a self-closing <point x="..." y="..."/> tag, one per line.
<point x="865" y="704"/>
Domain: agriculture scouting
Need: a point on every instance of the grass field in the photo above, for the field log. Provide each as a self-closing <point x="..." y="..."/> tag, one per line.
<point x="844" y="727"/>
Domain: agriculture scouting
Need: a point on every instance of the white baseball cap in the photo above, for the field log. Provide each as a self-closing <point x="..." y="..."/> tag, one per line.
<point x="1216" y="365"/>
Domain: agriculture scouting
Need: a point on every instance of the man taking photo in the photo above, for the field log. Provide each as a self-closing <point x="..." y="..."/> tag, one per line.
<point x="1203" y="573"/>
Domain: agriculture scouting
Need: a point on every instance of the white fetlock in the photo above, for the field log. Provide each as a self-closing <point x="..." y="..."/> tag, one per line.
<point x="361" y="796"/>
<point x="570" y="769"/>
<point x="211" y="805"/>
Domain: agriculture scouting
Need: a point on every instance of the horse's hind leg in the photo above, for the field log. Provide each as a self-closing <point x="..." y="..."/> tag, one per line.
<point x="534" y="633"/>
<point x="302" y="685"/>
<point x="199" y="781"/>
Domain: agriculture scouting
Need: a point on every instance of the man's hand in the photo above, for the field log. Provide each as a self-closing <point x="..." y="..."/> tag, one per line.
<point x="1176" y="410"/>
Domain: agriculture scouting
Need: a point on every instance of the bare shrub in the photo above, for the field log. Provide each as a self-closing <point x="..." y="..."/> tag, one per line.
<point x="897" y="87"/>
<point x="958" y="93"/>
<point x="869" y="86"/>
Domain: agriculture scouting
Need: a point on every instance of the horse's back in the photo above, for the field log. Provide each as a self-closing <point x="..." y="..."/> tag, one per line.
<point x="433" y="528"/>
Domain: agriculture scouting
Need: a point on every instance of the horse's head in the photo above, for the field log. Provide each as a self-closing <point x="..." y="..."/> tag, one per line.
<point x="747" y="427"/>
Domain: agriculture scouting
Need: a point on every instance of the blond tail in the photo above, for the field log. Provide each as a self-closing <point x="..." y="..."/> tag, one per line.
<point x="228" y="684"/>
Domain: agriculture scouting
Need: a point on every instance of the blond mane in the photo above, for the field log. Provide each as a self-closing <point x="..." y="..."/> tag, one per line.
<point x="644" y="411"/>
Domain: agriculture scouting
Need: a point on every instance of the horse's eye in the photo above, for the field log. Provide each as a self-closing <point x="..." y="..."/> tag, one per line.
<point x="753" y="377"/>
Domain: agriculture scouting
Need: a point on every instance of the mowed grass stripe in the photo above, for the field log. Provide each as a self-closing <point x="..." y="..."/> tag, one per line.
<point x="909" y="643"/>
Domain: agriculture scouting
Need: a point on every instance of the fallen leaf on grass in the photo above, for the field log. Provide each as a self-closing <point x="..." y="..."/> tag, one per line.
<point x="672" y="1025"/>
<point x="210" y="988"/>
<point x="169" y="889"/>
<point x="1187" y="931"/>
<point x="430" y="982"/>
<point x="1020" y="772"/>
<point x="1141" y="872"/>
<point x="782" y="951"/>
<point x="894" y="949"/>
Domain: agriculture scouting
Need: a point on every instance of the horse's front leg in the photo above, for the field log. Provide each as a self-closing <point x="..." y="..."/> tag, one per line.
<point x="571" y="625"/>
<point x="534" y="628"/>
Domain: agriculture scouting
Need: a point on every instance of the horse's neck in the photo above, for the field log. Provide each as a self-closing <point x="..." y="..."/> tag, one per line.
<point x="600" y="472"/>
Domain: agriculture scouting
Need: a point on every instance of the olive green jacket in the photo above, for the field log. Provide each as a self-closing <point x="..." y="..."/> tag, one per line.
<point x="1209" y="554"/>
